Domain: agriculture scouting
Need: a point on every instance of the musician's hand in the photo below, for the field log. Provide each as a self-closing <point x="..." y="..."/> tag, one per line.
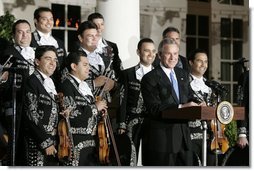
<point x="109" y="85"/>
<point x="66" y="112"/>
<point x="101" y="105"/>
<point x="4" y="76"/>
<point x="100" y="81"/>
<point x="121" y="131"/>
<point x="51" y="150"/>
<point x="242" y="142"/>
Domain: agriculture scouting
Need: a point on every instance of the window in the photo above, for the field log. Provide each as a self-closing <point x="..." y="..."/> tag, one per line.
<point x="231" y="2"/>
<point x="66" y="22"/>
<point x="231" y="51"/>
<point x="197" y="34"/>
<point x="201" y="0"/>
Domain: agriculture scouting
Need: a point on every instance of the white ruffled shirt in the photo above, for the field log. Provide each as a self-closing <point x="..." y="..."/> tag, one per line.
<point x="48" y="84"/>
<point x="47" y="39"/>
<point x="142" y="71"/>
<point x="95" y="59"/>
<point x="198" y="84"/>
<point x="100" y="46"/>
<point x="28" y="53"/>
<point x="83" y="87"/>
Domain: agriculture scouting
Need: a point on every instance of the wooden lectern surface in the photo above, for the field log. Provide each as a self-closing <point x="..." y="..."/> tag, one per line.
<point x="200" y="112"/>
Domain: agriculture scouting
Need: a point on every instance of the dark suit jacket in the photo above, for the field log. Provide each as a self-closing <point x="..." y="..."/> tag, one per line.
<point x="164" y="136"/>
<point x="131" y="106"/>
<point x="61" y="52"/>
<point x="40" y="120"/>
<point x="22" y="73"/>
<point x="83" y="122"/>
<point x="117" y="63"/>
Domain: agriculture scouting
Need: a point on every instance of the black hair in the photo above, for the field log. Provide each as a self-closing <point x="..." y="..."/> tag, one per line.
<point x="95" y="15"/>
<point x="86" y="25"/>
<point x="193" y="53"/>
<point x="73" y="57"/>
<point x="39" y="10"/>
<point x="40" y="50"/>
<point x="169" y="29"/>
<point x="144" y="40"/>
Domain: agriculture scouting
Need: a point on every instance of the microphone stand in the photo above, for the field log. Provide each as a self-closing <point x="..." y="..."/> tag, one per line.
<point x="216" y="138"/>
<point x="204" y="143"/>
<point x="220" y="93"/>
<point x="13" y="149"/>
<point x="14" y="116"/>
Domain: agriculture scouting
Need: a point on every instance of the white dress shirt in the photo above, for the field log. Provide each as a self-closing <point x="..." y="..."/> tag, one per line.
<point x="47" y="39"/>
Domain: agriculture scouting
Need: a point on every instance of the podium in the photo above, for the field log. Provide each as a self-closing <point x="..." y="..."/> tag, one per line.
<point x="202" y="113"/>
<point x="199" y="112"/>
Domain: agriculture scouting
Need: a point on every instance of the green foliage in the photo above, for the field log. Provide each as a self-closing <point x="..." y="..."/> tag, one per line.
<point x="231" y="133"/>
<point x="6" y="22"/>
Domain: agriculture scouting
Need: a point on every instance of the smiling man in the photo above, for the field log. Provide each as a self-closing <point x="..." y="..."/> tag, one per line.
<point x="44" y="23"/>
<point x="41" y="110"/>
<point x="132" y="108"/>
<point x="85" y="113"/>
<point x="166" y="142"/>
<point x="198" y="61"/>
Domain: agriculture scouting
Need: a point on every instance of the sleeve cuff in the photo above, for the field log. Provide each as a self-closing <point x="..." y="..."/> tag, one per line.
<point x="242" y="130"/>
<point x="122" y="125"/>
<point x="242" y="135"/>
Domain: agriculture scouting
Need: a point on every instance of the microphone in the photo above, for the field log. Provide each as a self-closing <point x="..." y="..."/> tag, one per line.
<point x="216" y="86"/>
<point x="239" y="61"/>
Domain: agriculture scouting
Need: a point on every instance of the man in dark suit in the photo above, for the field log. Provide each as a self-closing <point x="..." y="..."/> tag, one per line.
<point x="166" y="142"/>
<point x="41" y="110"/>
<point x="21" y="56"/>
<point x="98" y="19"/>
<point x="174" y="33"/>
<point x="103" y="45"/>
<point x="85" y="113"/>
<point x="44" y="22"/>
<point x="132" y="108"/>
<point x="103" y="78"/>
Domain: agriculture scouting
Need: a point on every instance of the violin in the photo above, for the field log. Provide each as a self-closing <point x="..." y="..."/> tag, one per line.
<point x="66" y="145"/>
<point x="106" y="135"/>
<point x="219" y="142"/>
<point x="103" y="143"/>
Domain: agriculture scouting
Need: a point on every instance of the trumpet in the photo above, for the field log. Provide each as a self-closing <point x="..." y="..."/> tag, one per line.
<point x="4" y="75"/>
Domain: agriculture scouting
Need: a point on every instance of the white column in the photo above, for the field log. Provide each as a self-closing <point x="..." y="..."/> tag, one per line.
<point x="1" y="8"/>
<point x="122" y="26"/>
<point x="251" y="61"/>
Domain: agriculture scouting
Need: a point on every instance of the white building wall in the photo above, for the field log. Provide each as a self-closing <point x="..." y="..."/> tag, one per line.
<point x="156" y="15"/>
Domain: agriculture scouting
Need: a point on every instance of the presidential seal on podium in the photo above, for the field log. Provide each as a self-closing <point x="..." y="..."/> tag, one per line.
<point x="225" y="112"/>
